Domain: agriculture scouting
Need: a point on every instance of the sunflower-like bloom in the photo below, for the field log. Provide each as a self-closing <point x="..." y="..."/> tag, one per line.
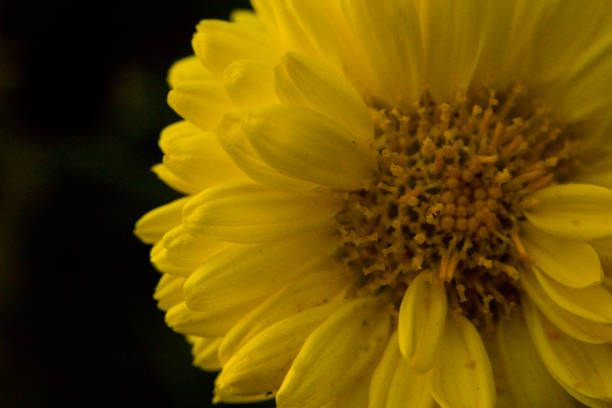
<point x="394" y="203"/>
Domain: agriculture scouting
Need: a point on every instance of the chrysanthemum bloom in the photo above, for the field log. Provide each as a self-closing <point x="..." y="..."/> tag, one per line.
<point x="394" y="203"/>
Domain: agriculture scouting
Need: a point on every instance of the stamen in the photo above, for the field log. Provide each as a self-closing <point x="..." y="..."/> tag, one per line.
<point x="454" y="181"/>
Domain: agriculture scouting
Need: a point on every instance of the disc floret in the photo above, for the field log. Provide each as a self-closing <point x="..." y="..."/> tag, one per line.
<point x="454" y="182"/>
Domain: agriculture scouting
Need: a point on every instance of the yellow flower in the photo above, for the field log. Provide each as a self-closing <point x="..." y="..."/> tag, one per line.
<point x="394" y="203"/>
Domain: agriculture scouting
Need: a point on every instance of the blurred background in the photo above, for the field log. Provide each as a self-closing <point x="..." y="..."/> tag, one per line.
<point x="82" y="101"/>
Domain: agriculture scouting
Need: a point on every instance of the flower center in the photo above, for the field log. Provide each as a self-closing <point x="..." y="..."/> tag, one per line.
<point x="454" y="182"/>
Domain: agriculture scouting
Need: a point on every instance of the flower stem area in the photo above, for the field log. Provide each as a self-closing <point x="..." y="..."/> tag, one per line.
<point x="82" y="99"/>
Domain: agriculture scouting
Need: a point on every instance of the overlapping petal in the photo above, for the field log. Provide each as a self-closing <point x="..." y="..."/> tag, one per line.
<point x="337" y="354"/>
<point x="573" y="211"/>
<point x="462" y="375"/>
<point x="304" y="144"/>
<point x="422" y="317"/>
<point x="583" y="367"/>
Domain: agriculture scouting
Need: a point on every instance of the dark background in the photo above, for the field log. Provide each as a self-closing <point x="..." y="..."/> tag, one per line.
<point x="82" y="101"/>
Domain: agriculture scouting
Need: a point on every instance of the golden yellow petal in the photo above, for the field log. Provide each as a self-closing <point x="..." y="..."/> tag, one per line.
<point x="598" y="173"/>
<point x="452" y="35"/>
<point x="204" y="351"/>
<point x="383" y="375"/>
<point x="152" y="226"/>
<point x="171" y="180"/>
<point x="573" y="325"/>
<point x="239" y="148"/>
<point x="210" y="323"/>
<point x="409" y="388"/>
<point x="169" y="291"/>
<point x="462" y="375"/>
<point x="248" y="19"/>
<point x="604" y="250"/>
<point x="528" y="382"/>
<point x="306" y="145"/>
<point x="259" y="367"/>
<point x="254" y="272"/>
<point x="196" y="157"/>
<point x="583" y="367"/>
<point x="388" y="34"/>
<point x="246" y="212"/>
<point x="220" y="43"/>
<point x="592" y="303"/>
<point x="159" y="259"/>
<point x="422" y="317"/>
<point x="187" y="69"/>
<point x="250" y="83"/>
<point x="184" y="249"/>
<point x="320" y="283"/>
<point x="572" y="263"/>
<point x="202" y="103"/>
<point x="306" y="82"/>
<point x="356" y="395"/>
<point x="589" y="89"/>
<point x="573" y="211"/>
<point x="340" y="351"/>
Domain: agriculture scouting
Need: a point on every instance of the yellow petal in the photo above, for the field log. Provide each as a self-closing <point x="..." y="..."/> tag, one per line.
<point x="395" y="384"/>
<point x="356" y="396"/>
<point x="588" y="401"/>
<point x="528" y="382"/>
<point x="593" y="303"/>
<point x="387" y="33"/>
<point x="287" y="28"/>
<point x="573" y="211"/>
<point x="452" y="35"/>
<point x="204" y="352"/>
<point x="239" y="148"/>
<point x="340" y="351"/>
<point x="604" y="250"/>
<point x="512" y="39"/>
<point x="558" y="45"/>
<point x="326" y="28"/>
<point x="196" y="157"/>
<point x="422" y="316"/>
<point x="184" y="249"/>
<point x="572" y="263"/>
<point x="159" y="259"/>
<point x="243" y="211"/>
<point x="202" y="103"/>
<point x="171" y="180"/>
<point x="259" y="367"/>
<point x="462" y="375"/>
<point x="573" y="325"/>
<point x="589" y="89"/>
<point x="306" y="82"/>
<point x="250" y="83"/>
<point x="242" y="274"/>
<point x="204" y="323"/>
<point x="304" y="144"/>
<point x="409" y="388"/>
<point x="598" y="172"/>
<point x="383" y="375"/>
<point x="187" y="69"/>
<point x="219" y="43"/>
<point x="248" y="19"/>
<point x="169" y="291"/>
<point x="320" y="283"/>
<point x="152" y="226"/>
<point x="585" y="368"/>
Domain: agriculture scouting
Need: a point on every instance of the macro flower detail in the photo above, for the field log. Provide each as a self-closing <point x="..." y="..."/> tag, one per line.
<point x="394" y="203"/>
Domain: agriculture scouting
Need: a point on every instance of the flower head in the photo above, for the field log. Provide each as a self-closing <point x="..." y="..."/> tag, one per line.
<point x="393" y="203"/>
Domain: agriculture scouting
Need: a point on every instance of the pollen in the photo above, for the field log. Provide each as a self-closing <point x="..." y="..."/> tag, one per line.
<point x="454" y="181"/>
